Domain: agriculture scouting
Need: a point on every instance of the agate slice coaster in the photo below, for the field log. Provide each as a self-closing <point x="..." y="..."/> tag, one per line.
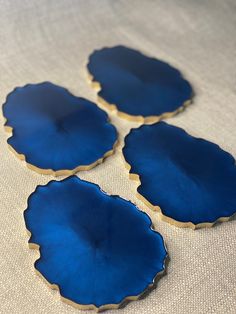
<point x="97" y="250"/>
<point x="56" y="132"/>
<point x="137" y="87"/>
<point x="190" y="181"/>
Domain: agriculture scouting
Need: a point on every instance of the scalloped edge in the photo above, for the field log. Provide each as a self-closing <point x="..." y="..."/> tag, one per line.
<point x="180" y="224"/>
<point x="133" y="118"/>
<point x="63" y="172"/>
<point x="35" y="246"/>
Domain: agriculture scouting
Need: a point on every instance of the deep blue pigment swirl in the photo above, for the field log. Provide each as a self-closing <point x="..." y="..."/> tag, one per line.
<point x="98" y="249"/>
<point x="137" y="84"/>
<point x="56" y="130"/>
<point x="191" y="179"/>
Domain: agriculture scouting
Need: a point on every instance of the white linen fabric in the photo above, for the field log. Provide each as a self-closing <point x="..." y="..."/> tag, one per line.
<point x="50" y="41"/>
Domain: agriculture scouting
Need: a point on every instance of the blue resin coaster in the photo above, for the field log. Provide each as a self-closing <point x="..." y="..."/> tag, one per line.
<point x="190" y="180"/>
<point x="56" y="132"/>
<point x="140" y="88"/>
<point x="98" y="250"/>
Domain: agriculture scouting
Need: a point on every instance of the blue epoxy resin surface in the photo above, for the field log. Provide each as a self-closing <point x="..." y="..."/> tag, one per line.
<point x="98" y="249"/>
<point x="137" y="84"/>
<point x="54" y="129"/>
<point x="191" y="179"/>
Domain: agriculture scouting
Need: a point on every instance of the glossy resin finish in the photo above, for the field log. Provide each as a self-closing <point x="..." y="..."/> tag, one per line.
<point x="193" y="181"/>
<point x="139" y="87"/>
<point x="98" y="249"/>
<point x="56" y="132"/>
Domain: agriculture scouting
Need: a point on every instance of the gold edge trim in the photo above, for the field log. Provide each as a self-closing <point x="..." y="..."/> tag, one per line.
<point x="35" y="246"/>
<point x="176" y="223"/>
<point x="63" y="172"/>
<point x="132" y="118"/>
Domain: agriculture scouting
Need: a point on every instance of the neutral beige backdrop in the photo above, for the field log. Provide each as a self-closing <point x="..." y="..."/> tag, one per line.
<point x="51" y="40"/>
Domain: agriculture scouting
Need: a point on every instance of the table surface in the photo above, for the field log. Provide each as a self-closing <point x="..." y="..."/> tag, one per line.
<point x="50" y="41"/>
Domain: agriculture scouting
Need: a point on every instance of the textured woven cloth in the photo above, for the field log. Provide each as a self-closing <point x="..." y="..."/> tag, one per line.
<point x="51" y="40"/>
